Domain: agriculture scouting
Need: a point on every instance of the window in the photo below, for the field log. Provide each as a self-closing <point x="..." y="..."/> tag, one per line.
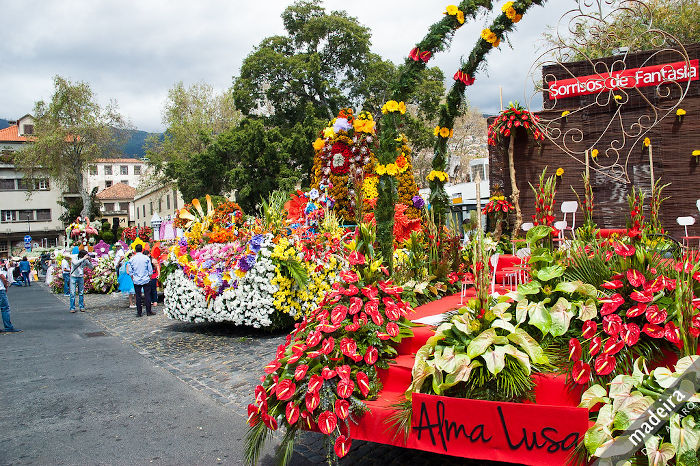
<point x="151" y="207"/>
<point x="137" y="169"/>
<point x="137" y="214"/>
<point x="108" y="169"/>
<point x="26" y="215"/>
<point x="93" y="169"/>
<point x="7" y="185"/>
<point x="175" y="198"/>
<point x="160" y="204"/>
<point x="123" y="169"/>
<point x="3" y="246"/>
<point x="9" y="215"/>
<point x="126" y="182"/>
<point x="28" y="129"/>
<point x="42" y="185"/>
<point x="43" y="215"/>
<point x="167" y="201"/>
<point x="124" y="206"/>
<point x="109" y="206"/>
<point x="144" y="211"/>
<point x="108" y="183"/>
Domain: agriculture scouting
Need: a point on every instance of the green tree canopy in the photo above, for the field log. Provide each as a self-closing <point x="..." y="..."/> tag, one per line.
<point x="71" y="131"/>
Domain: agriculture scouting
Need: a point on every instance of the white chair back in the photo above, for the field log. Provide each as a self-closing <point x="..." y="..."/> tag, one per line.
<point x="685" y="222"/>
<point x="698" y="204"/>
<point x="561" y="226"/>
<point x="527" y="226"/>
<point x="494" y="263"/>
<point x="570" y="207"/>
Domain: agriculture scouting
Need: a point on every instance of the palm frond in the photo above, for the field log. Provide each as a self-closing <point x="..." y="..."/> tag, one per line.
<point x="254" y="441"/>
<point x="400" y="419"/>
<point x="285" y="450"/>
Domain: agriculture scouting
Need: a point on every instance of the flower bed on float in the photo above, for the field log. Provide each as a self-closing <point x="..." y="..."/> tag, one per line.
<point x="100" y="279"/>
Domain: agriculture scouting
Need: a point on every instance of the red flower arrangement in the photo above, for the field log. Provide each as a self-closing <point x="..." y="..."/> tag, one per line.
<point x="513" y="117"/>
<point x="340" y="158"/>
<point x="497" y="204"/>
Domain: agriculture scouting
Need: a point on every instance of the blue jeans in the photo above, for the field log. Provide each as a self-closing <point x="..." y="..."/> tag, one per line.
<point x="154" y="290"/>
<point x="66" y="283"/>
<point x="79" y="283"/>
<point x="25" y="277"/>
<point x="5" y="308"/>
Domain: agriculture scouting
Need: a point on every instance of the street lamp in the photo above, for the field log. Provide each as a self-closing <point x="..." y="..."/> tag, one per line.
<point x="155" y="225"/>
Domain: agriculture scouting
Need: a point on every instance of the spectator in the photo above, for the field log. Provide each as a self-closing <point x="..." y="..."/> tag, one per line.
<point x="65" y="270"/>
<point x="118" y="257"/>
<point x="140" y="270"/>
<point x="126" y="284"/>
<point x="49" y="271"/>
<point x="5" y="304"/>
<point x="25" y="268"/>
<point x="77" y="278"/>
<point x="154" y="279"/>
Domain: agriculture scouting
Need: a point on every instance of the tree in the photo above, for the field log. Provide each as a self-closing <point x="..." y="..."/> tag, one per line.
<point x="71" y="131"/>
<point x="193" y="117"/>
<point x="73" y="209"/>
<point x="629" y="28"/>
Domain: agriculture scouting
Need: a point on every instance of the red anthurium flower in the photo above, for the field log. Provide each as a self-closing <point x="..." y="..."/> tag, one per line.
<point x="339" y="314"/>
<point x="393" y="312"/>
<point x="377" y="318"/>
<point x="388" y="302"/>
<point x="315" y="383"/>
<point x="313" y="354"/>
<point x="292" y="413"/>
<point x="269" y="421"/>
<point x="581" y="372"/>
<point x="342" y="409"/>
<point x="327" y="422"/>
<point x="642" y="296"/>
<point x="589" y="329"/>
<point x="694" y="332"/>
<point x="313" y="339"/>
<point x="286" y="389"/>
<point x="343" y="371"/>
<point x="322" y="315"/>
<point x="363" y="382"/>
<point x="655" y="315"/>
<point x="574" y="349"/>
<point x="356" y="258"/>
<point x="355" y="305"/>
<point x="624" y="250"/>
<point x="307" y="419"/>
<point x="672" y="333"/>
<point x="300" y="371"/>
<point x="348" y="346"/>
<point x="695" y="321"/>
<point x="611" y="304"/>
<point x="630" y="334"/>
<point x="349" y="276"/>
<point x="327" y="328"/>
<point x="372" y="306"/>
<point x="371" y="355"/>
<point x="653" y="331"/>
<point x="696" y="276"/>
<point x="342" y="446"/>
<point x="670" y="283"/>
<point x="328" y="373"/>
<point x="596" y="344"/>
<point x="604" y="364"/>
<point x="370" y="292"/>
<point x="636" y="278"/>
<point x="327" y="345"/>
<point x="612" y="284"/>
<point x="613" y="345"/>
<point x="655" y="285"/>
<point x="637" y="310"/>
<point x="312" y="400"/>
<point x="680" y="266"/>
<point x="392" y="329"/>
<point x="352" y="290"/>
<point x="383" y="336"/>
<point x="272" y="367"/>
<point x="617" y="276"/>
<point x="608" y="255"/>
<point x="354" y="327"/>
<point x="345" y="388"/>
<point x="360" y="319"/>
<point x="253" y="417"/>
<point x="260" y="394"/>
<point x="612" y="324"/>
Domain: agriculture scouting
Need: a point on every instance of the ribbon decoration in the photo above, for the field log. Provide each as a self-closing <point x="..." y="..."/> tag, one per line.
<point x="464" y="78"/>
<point x="416" y="55"/>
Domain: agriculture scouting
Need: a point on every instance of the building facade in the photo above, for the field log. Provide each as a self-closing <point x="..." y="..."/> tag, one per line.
<point x="117" y="204"/>
<point x="104" y="173"/>
<point x="27" y="208"/>
<point x="165" y="201"/>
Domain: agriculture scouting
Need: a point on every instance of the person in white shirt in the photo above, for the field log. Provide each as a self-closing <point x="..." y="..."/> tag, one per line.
<point x="65" y="270"/>
<point x="77" y="278"/>
<point x="5" y="304"/>
<point x="118" y="257"/>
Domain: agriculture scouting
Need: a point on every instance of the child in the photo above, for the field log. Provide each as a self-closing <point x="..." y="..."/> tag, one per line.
<point x="126" y="285"/>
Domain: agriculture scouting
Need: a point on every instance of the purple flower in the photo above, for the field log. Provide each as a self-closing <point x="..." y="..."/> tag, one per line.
<point x="418" y="202"/>
<point x="256" y="243"/>
<point x="246" y="263"/>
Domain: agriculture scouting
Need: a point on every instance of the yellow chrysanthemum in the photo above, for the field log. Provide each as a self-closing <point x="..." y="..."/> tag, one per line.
<point x="647" y="142"/>
<point x="451" y="10"/>
<point x="485" y="33"/>
<point x="452" y="132"/>
<point x="436" y="131"/>
<point x="680" y="112"/>
<point x="318" y="144"/>
<point x="506" y="6"/>
<point x="392" y="106"/>
<point x="696" y="153"/>
<point x="402" y="107"/>
<point x="618" y="97"/>
<point x="594" y="153"/>
<point x="460" y="16"/>
<point x="517" y="18"/>
<point x="444" y="132"/>
<point x="328" y="132"/>
<point x="392" y="169"/>
<point x="560" y="171"/>
<point x="380" y="169"/>
<point x="565" y="112"/>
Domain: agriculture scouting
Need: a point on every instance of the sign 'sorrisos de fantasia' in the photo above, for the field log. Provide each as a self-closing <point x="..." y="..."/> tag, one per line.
<point x="625" y="79"/>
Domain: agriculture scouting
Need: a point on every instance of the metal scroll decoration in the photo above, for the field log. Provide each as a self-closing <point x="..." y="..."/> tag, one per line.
<point x="606" y="152"/>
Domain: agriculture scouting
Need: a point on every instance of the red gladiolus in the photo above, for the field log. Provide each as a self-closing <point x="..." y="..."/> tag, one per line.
<point x="286" y="389"/>
<point x="589" y="329"/>
<point x="637" y="310"/>
<point x="312" y="400"/>
<point x="253" y="417"/>
<point x="574" y="349"/>
<point x="338" y="314"/>
<point x="630" y="334"/>
<point x="596" y="343"/>
<point x="342" y="409"/>
<point x="345" y="388"/>
<point x="392" y="329"/>
<point x="672" y="333"/>
<point x="624" y="250"/>
<point x="642" y="296"/>
<point x="327" y="422"/>
<point x="363" y="382"/>
<point x="315" y="383"/>
<point x="371" y="355"/>
<point x="613" y="345"/>
<point x="342" y="446"/>
<point x="292" y="413"/>
<point x="612" y="324"/>
<point x="604" y="364"/>
<point x="655" y="315"/>
<point x="653" y="331"/>
<point x="300" y="371"/>
<point x="343" y="371"/>
<point x="612" y="284"/>
<point x="355" y="305"/>
<point x="581" y="372"/>
<point x="636" y="278"/>
<point x="313" y="339"/>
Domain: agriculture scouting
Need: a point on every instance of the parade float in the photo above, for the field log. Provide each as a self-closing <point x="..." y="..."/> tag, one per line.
<point x="80" y="233"/>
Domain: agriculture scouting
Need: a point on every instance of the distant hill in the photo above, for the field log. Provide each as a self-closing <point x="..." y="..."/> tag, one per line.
<point x="133" y="148"/>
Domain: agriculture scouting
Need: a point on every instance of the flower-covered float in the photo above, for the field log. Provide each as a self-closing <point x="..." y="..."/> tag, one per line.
<point x="81" y="233"/>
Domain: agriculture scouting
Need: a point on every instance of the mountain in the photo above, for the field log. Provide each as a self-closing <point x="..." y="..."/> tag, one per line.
<point x="4" y="123"/>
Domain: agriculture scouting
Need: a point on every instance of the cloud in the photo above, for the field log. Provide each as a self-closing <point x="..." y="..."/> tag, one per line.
<point x="134" y="51"/>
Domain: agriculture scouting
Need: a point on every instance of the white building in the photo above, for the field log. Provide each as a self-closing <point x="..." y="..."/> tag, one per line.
<point x="20" y="214"/>
<point x="165" y="201"/>
<point x="104" y="173"/>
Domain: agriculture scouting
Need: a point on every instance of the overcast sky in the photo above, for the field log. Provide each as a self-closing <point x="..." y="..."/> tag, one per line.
<point x="134" y="51"/>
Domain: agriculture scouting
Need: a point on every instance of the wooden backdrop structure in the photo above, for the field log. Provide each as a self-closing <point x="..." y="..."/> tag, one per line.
<point x="673" y="142"/>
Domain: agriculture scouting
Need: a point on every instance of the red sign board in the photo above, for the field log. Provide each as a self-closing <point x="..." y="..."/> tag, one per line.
<point x="626" y="79"/>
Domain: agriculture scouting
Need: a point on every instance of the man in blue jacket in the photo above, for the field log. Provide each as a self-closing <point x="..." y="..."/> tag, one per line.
<point x="140" y="269"/>
<point x="25" y="268"/>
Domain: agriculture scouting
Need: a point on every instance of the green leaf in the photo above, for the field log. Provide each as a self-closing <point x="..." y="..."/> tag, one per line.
<point x="594" y="395"/>
<point x="479" y="344"/>
<point x="566" y="287"/>
<point x="499" y="310"/>
<point x="550" y="272"/>
<point x="495" y="360"/>
<point x="537" y="233"/>
<point x="523" y="339"/>
<point x="659" y="454"/>
<point x="532" y="287"/>
<point x="500" y="323"/>
<point x="540" y="317"/>
<point x="561" y="316"/>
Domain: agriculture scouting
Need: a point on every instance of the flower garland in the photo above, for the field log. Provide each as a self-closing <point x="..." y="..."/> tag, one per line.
<point x="443" y="132"/>
<point x="437" y="175"/>
<point x="393" y="106"/>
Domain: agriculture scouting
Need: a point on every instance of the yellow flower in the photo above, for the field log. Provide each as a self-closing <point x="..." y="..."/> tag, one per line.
<point x="363" y="126"/>
<point x="402" y="107"/>
<point x="460" y="16"/>
<point x="436" y="131"/>
<point x="328" y="132"/>
<point x="380" y="169"/>
<point x="618" y="97"/>
<point x="392" y="106"/>
<point x="451" y="10"/>
<point x="696" y="153"/>
<point x="508" y="5"/>
<point x="647" y="142"/>
<point x="560" y="171"/>
<point x="517" y="18"/>
<point x="392" y="169"/>
<point x="318" y="144"/>
<point x="594" y="153"/>
<point x="565" y="112"/>
<point x="680" y="112"/>
<point x="444" y="132"/>
<point x="496" y="43"/>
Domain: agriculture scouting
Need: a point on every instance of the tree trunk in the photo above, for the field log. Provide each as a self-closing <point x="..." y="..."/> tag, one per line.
<point x="85" y="195"/>
<point x="515" y="196"/>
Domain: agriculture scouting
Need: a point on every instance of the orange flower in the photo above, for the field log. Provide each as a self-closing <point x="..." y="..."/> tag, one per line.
<point x="401" y="161"/>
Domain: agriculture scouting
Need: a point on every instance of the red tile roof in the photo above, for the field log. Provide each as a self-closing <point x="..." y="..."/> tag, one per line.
<point x="11" y="134"/>
<point x="119" y="161"/>
<point x="117" y="191"/>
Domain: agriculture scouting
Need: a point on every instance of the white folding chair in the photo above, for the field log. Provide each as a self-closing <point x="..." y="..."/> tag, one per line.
<point x="527" y="226"/>
<point x="561" y="226"/>
<point x="685" y="222"/>
<point x="698" y="204"/>
<point x="494" y="264"/>
<point x="570" y="207"/>
<point x="522" y="254"/>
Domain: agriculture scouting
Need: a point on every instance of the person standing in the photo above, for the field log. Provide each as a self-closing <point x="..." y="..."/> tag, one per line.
<point x="118" y="257"/>
<point x="140" y="269"/>
<point x="126" y="284"/>
<point x="5" y="304"/>
<point x="77" y="278"/>
<point x="65" y="270"/>
<point x="154" y="278"/>
<point x="24" y="268"/>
